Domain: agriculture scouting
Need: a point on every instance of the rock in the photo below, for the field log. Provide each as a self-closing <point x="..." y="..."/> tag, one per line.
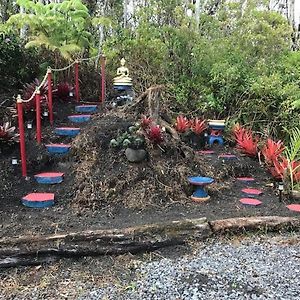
<point x="134" y="155"/>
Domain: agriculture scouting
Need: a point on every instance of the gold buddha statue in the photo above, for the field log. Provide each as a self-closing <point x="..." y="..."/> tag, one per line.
<point x="123" y="75"/>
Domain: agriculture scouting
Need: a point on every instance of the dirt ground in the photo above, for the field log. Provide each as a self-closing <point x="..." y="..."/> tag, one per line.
<point x="101" y="189"/>
<point x="73" y="278"/>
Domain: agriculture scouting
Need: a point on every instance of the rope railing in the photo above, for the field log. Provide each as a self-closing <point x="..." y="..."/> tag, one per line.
<point x="37" y="96"/>
<point x="57" y="70"/>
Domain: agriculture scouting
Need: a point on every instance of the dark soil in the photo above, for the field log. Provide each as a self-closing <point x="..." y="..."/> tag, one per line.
<point x="103" y="190"/>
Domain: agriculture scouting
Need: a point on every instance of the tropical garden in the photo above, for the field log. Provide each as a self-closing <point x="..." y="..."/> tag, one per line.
<point x="226" y="71"/>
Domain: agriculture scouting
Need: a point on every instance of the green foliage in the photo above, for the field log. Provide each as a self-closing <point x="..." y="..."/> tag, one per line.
<point x="292" y="151"/>
<point x="238" y="63"/>
<point x="13" y="74"/>
<point x="131" y="138"/>
<point x="63" y="28"/>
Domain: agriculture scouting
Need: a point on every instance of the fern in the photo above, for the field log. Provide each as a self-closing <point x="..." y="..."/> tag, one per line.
<point x="60" y="27"/>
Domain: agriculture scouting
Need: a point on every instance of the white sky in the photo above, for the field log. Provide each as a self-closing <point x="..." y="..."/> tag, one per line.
<point x="297" y="11"/>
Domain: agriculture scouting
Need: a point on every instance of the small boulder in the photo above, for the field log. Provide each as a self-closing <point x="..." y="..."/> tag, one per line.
<point x="134" y="155"/>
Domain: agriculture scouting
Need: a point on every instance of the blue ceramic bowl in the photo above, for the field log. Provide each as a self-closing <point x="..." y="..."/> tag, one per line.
<point x="200" y="180"/>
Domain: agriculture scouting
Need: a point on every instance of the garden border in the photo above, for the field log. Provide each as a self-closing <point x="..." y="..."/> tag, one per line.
<point x="34" y="250"/>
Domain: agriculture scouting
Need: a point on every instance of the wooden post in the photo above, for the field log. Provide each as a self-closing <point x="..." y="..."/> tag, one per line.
<point x="50" y="98"/>
<point x="103" y="86"/>
<point x="22" y="136"/>
<point x="38" y="117"/>
<point x="77" y="81"/>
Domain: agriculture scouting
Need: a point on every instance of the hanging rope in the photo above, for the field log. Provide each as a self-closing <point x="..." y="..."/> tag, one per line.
<point x="58" y="70"/>
<point x="37" y="89"/>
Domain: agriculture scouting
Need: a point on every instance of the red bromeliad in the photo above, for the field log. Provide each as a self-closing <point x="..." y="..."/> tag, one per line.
<point x="282" y="168"/>
<point x="272" y="150"/>
<point x="29" y="89"/>
<point x="146" y="122"/>
<point x="246" y="143"/>
<point x="238" y="131"/>
<point x="182" y="124"/>
<point x="63" y="90"/>
<point x="154" y="134"/>
<point x="198" y="126"/>
<point x="7" y="132"/>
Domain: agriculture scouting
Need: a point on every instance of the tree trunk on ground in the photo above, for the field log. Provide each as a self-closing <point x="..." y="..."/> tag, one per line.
<point x="245" y="224"/>
<point x="33" y="249"/>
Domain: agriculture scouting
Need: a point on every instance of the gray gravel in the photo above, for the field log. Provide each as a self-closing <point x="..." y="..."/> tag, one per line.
<point x="255" y="268"/>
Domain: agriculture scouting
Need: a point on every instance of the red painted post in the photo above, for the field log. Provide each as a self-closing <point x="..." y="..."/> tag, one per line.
<point x="50" y="99"/>
<point x="38" y="117"/>
<point x="77" y="81"/>
<point x="103" y="86"/>
<point x="22" y="135"/>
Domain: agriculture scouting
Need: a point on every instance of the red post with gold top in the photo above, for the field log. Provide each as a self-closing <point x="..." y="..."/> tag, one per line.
<point x="22" y="136"/>
<point x="38" y="117"/>
<point x="50" y="98"/>
<point x="77" y="81"/>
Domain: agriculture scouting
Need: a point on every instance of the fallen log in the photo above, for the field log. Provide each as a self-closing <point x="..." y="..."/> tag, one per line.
<point x="32" y="249"/>
<point x="253" y="223"/>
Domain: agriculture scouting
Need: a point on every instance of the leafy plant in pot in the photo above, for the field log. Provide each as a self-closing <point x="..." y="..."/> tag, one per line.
<point x="133" y="142"/>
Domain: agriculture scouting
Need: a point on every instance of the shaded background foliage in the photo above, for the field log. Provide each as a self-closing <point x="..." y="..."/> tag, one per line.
<point x="235" y="61"/>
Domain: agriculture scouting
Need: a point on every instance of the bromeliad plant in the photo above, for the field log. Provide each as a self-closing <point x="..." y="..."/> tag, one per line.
<point x="146" y="122"/>
<point x="8" y="133"/>
<point x="245" y="140"/>
<point x="271" y="151"/>
<point x="182" y="124"/>
<point x="155" y="135"/>
<point x="198" y="126"/>
<point x="63" y="91"/>
<point x="191" y="131"/>
<point x="29" y="89"/>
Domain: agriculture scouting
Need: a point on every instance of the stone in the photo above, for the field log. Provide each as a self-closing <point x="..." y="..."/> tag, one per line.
<point x="134" y="155"/>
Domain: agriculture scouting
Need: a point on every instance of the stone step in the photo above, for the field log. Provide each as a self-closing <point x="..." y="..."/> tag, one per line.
<point x="49" y="178"/>
<point x="58" y="148"/>
<point x="227" y="157"/>
<point x="38" y="200"/>
<point x="250" y="201"/>
<point x="79" y="118"/>
<point x="294" y="207"/>
<point x="246" y="179"/>
<point x="252" y="192"/>
<point x="86" y="108"/>
<point x="67" y="131"/>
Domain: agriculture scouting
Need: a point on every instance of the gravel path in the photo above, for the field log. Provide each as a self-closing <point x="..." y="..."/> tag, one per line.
<point x="251" y="269"/>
